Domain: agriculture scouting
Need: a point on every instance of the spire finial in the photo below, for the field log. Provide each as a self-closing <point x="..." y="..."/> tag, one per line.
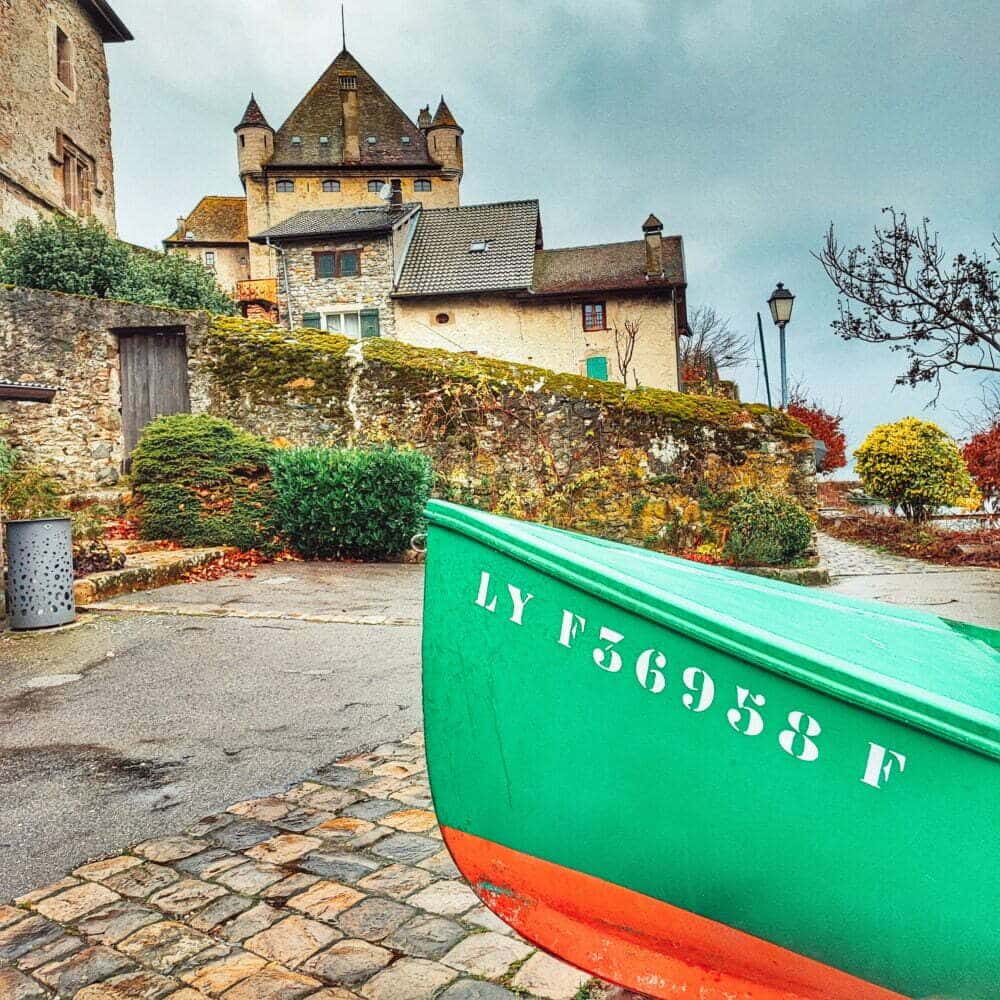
<point x="343" y="28"/>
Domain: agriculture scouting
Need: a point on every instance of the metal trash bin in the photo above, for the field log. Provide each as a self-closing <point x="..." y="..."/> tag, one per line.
<point x="40" y="573"/>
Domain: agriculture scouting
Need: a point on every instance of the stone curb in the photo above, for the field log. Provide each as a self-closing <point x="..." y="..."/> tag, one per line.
<point x="804" y="576"/>
<point x="144" y="571"/>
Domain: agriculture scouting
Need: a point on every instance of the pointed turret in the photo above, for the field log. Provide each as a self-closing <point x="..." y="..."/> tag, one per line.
<point x="254" y="140"/>
<point x="444" y="140"/>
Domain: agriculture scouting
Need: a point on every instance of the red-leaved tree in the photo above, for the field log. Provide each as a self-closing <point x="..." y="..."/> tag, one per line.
<point x="982" y="456"/>
<point x="822" y="425"/>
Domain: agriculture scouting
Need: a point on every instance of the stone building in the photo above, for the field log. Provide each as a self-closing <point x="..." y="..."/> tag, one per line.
<point x="479" y="279"/>
<point x="55" y="114"/>
<point x="343" y="145"/>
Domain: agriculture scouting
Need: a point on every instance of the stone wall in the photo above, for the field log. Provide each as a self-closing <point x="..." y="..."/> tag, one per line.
<point x="370" y="289"/>
<point x="645" y="466"/>
<point x="36" y="108"/>
<point x="69" y="341"/>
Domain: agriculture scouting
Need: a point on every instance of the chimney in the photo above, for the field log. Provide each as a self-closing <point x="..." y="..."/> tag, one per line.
<point x="396" y="198"/>
<point x="182" y="226"/>
<point x="349" y="106"/>
<point x="652" y="229"/>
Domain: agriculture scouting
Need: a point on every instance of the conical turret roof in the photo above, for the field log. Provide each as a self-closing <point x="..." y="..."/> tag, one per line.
<point x="443" y="118"/>
<point x="253" y="116"/>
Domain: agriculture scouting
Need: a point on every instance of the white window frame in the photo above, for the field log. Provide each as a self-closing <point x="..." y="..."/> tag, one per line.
<point x="326" y="314"/>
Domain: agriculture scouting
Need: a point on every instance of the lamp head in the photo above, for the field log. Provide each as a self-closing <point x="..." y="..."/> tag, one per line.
<point x="781" y="302"/>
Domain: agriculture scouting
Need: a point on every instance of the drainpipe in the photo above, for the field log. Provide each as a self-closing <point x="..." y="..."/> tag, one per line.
<point x="284" y="271"/>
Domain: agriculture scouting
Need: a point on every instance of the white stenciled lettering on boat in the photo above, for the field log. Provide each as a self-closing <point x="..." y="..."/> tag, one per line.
<point x="572" y="626"/>
<point x="797" y="740"/>
<point x="607" y="658"/>
<point x="518" y="598"/>
<point x="649" y="670"/>
<point x="753" y="722"/>
<point x="699" y="683"/>
<point x="880" y="765"/>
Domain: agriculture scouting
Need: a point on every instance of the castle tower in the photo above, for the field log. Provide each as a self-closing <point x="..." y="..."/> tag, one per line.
<point x="254" y="140"/>
<point x="444" y="141"/>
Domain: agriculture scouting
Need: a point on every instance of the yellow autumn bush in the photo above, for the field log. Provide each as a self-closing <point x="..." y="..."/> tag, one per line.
<point x="914" y="466"/>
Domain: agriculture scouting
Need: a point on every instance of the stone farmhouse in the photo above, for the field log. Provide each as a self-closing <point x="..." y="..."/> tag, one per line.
<point x="352" y="223"/>
<point x="55" y="114"/>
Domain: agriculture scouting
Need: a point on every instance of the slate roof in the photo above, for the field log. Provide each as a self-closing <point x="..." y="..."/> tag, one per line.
<point x="605" y="267"/>
<point x="253" y="116"/>
<point x="439" y="260"/>
<point x="320" y="113"/>
<point x="444" y="118"/>
<point x="109" y="24"/>
<point x="336" y="222"/>
<point x="215" y="219"/>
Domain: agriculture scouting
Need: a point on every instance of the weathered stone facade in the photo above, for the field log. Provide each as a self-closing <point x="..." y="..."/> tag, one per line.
<point x="55" y="115"/>
<point x="370" y="289"/>
<point x="70" y="342"/>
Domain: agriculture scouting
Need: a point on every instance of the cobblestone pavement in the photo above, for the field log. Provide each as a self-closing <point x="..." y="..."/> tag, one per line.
<point x="338" y="888"/>
<point x="847" y="559"/>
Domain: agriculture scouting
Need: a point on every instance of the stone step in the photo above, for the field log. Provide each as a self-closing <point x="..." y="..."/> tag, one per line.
<point x="145" y="571"/>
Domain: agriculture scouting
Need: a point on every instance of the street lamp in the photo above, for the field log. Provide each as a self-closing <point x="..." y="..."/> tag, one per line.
<point x="781" y="301"/>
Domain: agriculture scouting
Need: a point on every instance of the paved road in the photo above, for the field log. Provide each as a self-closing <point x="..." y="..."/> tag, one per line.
<point x="970" y="595"/>
<point x="221" y="694"/>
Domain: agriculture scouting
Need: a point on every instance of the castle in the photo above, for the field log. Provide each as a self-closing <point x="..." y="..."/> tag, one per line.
<point x="351" y="223"/>
<point x="340" y="146"/>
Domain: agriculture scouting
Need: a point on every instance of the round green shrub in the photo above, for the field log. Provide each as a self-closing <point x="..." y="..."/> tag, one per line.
<point x="350" y="503"/>
<point x="200" y="480"/>
<point x="766" y="529"/>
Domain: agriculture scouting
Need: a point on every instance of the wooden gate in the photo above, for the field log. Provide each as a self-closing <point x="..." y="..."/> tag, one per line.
<point x="154" y="379"/>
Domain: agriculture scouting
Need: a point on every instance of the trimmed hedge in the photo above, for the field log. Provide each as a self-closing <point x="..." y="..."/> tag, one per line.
<point x="350" y="503"/>
<point x="200" y="480"/>
<point x="766" y="529"/>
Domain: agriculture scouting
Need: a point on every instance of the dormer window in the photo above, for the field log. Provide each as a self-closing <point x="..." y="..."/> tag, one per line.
<point x="324" y="140"/>
<point x="371" y="139"/>
<point x="348" y="82"/>
<point x="405" y="140"/>
<point x="284" y="186"/>
<point x="479" y="246"/>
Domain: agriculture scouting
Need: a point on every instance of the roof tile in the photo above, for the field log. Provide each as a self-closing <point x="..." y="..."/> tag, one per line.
<point x="605" y="267"/>
<point x="215" y="219"/>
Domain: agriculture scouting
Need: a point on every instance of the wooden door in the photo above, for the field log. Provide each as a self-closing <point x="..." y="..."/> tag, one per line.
<point x="154" y="380"/>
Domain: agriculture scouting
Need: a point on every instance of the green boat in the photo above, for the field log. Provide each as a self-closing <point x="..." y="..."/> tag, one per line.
<point x="695" y="782"/>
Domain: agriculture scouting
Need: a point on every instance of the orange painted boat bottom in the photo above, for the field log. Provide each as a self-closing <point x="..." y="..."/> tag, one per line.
<point x="639" y="942"/>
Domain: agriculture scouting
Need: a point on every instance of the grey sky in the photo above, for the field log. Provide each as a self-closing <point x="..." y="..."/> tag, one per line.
<point x="745" y="126"/>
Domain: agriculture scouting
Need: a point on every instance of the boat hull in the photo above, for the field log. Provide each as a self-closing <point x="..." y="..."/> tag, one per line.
<point x="671" y="816"/>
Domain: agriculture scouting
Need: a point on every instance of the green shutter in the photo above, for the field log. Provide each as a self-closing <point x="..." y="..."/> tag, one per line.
<point x="369" y="323"/>
<point x="312" y="320"/>
<point x="597" y="368"/>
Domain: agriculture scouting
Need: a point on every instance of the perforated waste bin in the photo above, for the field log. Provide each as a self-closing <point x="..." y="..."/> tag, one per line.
<point x="40" y="573"/>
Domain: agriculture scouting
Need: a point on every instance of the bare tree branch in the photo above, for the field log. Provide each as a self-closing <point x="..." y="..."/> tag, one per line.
<point x="901" y="292"/>
<point x="713" y="344"/>
<point x="625" y="348"/>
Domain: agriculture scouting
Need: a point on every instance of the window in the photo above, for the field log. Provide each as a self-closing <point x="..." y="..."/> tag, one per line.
<point x="78" y="179"/>
<point x="371" y="139"/>
<point x="324" y="140"/>
<point x="243" y="141"/>
<point x="405" y="140"/>
<point x="64" y="60"/>
<point x="421" y="184"/>
<point x="479" y="246"/>
<point x="348" y="83"/>
<point x="593" y="316"/>
<point x="210" y="259"/>
<point x="442" y="318"/>
<point x="284" y="186"/>
<point x="333" y="264"/>
<point x="331" y="186"/>
<point x="376" y="185"/>
<point x="296" y="140"/>
<point x="597" y="368"/>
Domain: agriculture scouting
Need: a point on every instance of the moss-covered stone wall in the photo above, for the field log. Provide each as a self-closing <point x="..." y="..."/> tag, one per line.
<point x="645" y="466"/>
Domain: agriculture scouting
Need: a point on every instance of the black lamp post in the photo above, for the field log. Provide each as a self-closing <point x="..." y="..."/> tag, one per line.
<point x="781" y="302"/>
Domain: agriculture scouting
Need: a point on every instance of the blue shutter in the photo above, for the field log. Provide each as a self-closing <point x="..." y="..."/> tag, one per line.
<point x="369" y="323"/>
<point x="312" y="320"/>
<point x="597" y="368"/>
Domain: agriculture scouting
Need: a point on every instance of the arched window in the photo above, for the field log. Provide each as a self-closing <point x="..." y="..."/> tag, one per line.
<point x="421" y="184"/>
<point x="376" y="185"/>
<point x="330" y="186"/>
<point x="284" y="186"/>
